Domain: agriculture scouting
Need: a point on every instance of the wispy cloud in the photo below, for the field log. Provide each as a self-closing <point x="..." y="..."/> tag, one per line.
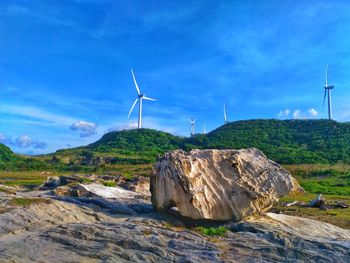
<point x="23" y="141"/>
<point x="36" y="113"/>
<point x="298" y="114"/>
<point x="85" y="128"/>
<point x="312" y="112"/>
<point x="284" y="113"/>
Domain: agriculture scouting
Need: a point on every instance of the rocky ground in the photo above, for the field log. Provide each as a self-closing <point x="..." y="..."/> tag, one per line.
<point x="97" y="223"/>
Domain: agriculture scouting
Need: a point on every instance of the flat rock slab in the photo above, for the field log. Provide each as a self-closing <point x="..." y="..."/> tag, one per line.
<point x="109" y="192"/>
<point x="83" y="229"/>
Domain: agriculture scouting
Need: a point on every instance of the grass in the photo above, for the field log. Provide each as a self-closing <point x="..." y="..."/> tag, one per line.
<point x="128" y="170"/>
<point x="325" y="179"/>
<point x="109" y="183"/>
<point x="27" y="201"/>
<point x="338" y="217"/>
<point x="35" y="178"/>
<point x="332" y="181"/>
<point x="212" y="231"/>
<point x="6" y="190"/>
<point x="27" y="179"/>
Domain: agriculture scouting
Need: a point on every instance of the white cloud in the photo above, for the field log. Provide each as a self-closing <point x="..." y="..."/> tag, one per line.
<point x="125" y="126"/>
<point x="284" y="113"/>
<point x="312" y="112"/>
<point x="297" y="114"/>
<point x="23" y="141"/>
<point x="86" y="128"/>
<point x="26" y="141"/>
<point x="147" y="122"/>
<point x="2" y="137"/>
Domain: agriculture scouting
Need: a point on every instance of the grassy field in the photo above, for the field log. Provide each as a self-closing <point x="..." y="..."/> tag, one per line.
<point x="27" y="179"/>
<point x="332" y="181"/>
<point x="323" y="179"/>
<point x="34" y="178"/>
<point x="338" y="217"/>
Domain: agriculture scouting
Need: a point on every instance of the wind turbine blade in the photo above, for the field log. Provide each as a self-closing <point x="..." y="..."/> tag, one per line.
<point x="189" y="120"/>
<point x="137" y="87"/>
<point x="327" y="75"/>
<point x="324" y="97"/>
<point x="132" y="107"/>
<point x="225" y="115"/>
<point x="146" y="98"/>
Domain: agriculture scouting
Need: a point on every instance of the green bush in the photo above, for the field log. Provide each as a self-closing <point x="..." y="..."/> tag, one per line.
<point x="212" y="231"/>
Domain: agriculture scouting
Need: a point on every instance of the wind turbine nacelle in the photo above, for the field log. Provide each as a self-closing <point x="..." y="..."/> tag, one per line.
<point x="329" y="87"/>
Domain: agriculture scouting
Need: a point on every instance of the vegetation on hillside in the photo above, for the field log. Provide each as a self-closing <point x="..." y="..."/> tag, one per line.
<point x="10" y="161"/>
<point x="323" y="179"/>
<point x="286" y="142"/>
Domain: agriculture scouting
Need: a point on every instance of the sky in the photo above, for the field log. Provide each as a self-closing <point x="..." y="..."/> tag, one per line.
<point x="65" y="66"/>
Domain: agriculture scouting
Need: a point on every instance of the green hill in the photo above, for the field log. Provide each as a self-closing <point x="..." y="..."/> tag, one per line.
<point x="6" y="155"/>
<point x="10" y="161"/>
<point x="287" y="142"/>
<point x="122" y="147"/>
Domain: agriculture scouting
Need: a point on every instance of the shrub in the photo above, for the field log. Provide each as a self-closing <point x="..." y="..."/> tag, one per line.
<point x="212" y="231"/>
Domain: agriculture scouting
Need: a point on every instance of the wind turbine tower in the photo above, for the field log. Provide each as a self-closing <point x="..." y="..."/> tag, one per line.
<point x="192" y="126"/>
<point x="204" y="129"/>
<point x="327" y="92"/>
<point x="225" y="114"/>
<point x="139" y="99"/>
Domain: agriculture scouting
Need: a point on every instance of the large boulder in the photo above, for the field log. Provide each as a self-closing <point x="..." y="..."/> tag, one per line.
<point x="219" y="184"/>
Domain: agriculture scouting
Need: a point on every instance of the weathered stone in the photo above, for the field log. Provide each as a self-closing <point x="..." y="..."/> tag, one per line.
<point x="75" y="190"/>
<point x="219" y="184"/>
<point x="124" y="229"/>
<point x="50" y="183"/>
<point x="139" y="184"/>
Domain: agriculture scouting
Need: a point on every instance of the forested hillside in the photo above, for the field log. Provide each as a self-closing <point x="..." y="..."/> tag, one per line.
<point x="287" y="142"/>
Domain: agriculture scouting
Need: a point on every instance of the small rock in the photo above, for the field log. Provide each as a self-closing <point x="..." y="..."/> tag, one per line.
<point x="50" y="183"/>
<point x="71" y="191"/>
<point x="318" y="202"/>
<point x="341" y="205"/>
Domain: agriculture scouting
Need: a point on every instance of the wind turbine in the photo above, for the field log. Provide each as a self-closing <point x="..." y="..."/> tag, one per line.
<point x="225" y="114"/>
<point x="204" y="129"/>
<point x="327" y="91"/>
<point x="140" y="98"/>
<point x="192" y="126"/>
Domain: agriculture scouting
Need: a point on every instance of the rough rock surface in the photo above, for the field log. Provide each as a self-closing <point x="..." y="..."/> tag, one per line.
<point x="219" y="184"/>
<point x="51" y="183"/>
<point x="118" y="226"/>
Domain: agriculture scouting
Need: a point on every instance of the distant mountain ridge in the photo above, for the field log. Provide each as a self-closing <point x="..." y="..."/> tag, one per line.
<point x="285" y="141"/>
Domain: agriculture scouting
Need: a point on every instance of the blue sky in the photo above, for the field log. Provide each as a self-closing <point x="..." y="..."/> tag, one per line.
<point x="65" y="65"/>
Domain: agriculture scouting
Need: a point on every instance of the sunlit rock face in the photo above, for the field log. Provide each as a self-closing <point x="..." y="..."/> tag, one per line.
<point x="219" y="184"/>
